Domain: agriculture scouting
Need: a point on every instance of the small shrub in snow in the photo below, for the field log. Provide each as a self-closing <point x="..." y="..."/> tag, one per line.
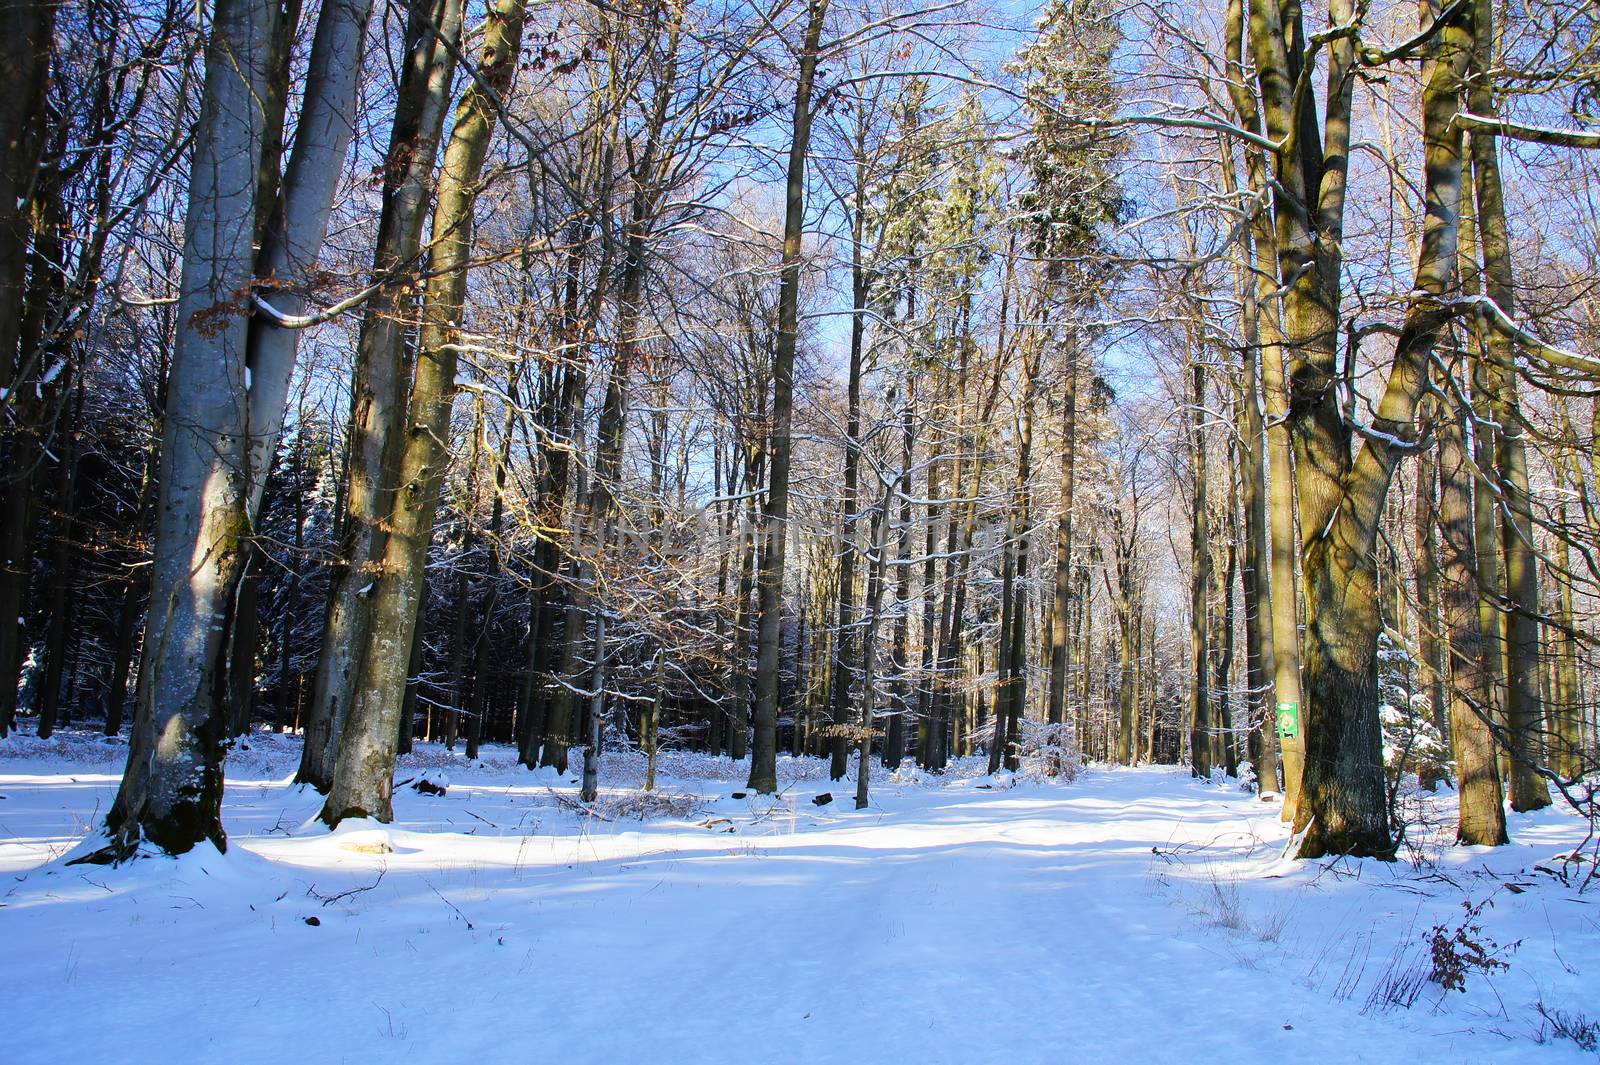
<point x="1270" y="928"/>
<point x="1223" y="904"/>
<point x="1411" y="741"/>
<point x="643" y="805"/>
<point x="1049" y="750"/>
<point x="1559" y="1024"/>
<point x="1462" y="950"/>
<point x="1247" y="777"/>
<point x="909" y="773"/>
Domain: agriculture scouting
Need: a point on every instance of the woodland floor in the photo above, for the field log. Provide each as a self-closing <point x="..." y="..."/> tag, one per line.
<point x="1126" y="916"/>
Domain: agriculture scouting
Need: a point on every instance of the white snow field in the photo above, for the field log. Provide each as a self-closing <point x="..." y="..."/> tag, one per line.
<point x="1126" y="916"/>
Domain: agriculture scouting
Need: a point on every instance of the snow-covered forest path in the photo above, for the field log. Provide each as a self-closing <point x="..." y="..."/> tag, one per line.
<point x="1131" y="915"/>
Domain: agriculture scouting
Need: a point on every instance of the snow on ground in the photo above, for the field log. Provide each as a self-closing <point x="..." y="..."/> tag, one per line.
<point x="1130" y="915"/>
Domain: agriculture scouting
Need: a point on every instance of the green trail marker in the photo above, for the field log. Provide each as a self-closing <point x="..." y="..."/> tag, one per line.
<point x="1289" y="720"/>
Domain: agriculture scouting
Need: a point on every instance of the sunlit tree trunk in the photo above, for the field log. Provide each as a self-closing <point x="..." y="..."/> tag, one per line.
<point x="171" y="793"/>
<point x="381" y="377"/>
<point x="1201" y="725"/>
<point x="1061" y="602"/>
<point x="1515" y="522"/>
<point x="363" y="781"/>
<point x="844" y="660"/>
<point x="763" y="761"/>
<point x="895" y="740"/>
<point x="1345" y="809"/>
<point x="1482" y="817"/>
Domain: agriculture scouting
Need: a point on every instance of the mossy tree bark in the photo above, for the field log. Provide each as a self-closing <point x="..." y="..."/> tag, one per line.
<point x="363" y="781"/>
<point x="382" y="375"/>
<point x="1513" y="519"/>
<point x="1482" y="819"/>
<point x="1344" y="802"/>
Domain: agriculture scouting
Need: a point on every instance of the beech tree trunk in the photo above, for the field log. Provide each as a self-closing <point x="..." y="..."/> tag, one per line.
<point x="1482" y="820"/>
<point x="1061" y="588"/>
<point x="382" y="375"/>
<point x="1344" y="808"/>
<point x="1202" y="756"/>
<point x="1510" y="460"/>
<point x="363" y="782"/>
<point x="775" y="515"/>
<point x="171" y="792"/>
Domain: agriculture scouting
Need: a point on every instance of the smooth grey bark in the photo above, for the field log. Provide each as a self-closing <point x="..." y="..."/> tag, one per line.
<point x="171" y="792"/>
<point x="299" y="223"/>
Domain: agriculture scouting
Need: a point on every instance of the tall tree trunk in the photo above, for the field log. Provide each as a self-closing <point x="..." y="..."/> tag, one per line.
<point x="1568" y="710"/>
<point x="171" y="792"/>
<point x="1288" y="718"/>
<point x="775" y="528"/>
<point x="1486" y="536"/>
<point x="930" y="620"/>
<point x="1260" y="652"/>
<point x="26" y="38"/>
<point x="244" y="637"/>
<point x="1345" y="809"/>
<point x="299" y="221"/>
<point x="1128" y="684"/>
<point x="1224" y="743"/>
<point x="1201" y="754"/>
<point x="894" y="745"/>
<point x="408" y="704"/>
<point x="363" y="781"/>
<point x="1432" y="669"/>
<point x="1521" y="585"/>
<point x="1482" y="819"/>
<point x="844" y="660"/>
<point x="1015" y="666"/>
<point x="1085" y="632"/>
<point x="867" y="727"/>
<point x="477" y="706"/>
<point x="61" y="600"/>
<point x="289" y="693"/>
<point x="1061" y="602"/>
<point x="745" y="621"/>
<point x="382" y="375"/>
<point x="41" y="375"/>
<point x="561" y="409"/>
